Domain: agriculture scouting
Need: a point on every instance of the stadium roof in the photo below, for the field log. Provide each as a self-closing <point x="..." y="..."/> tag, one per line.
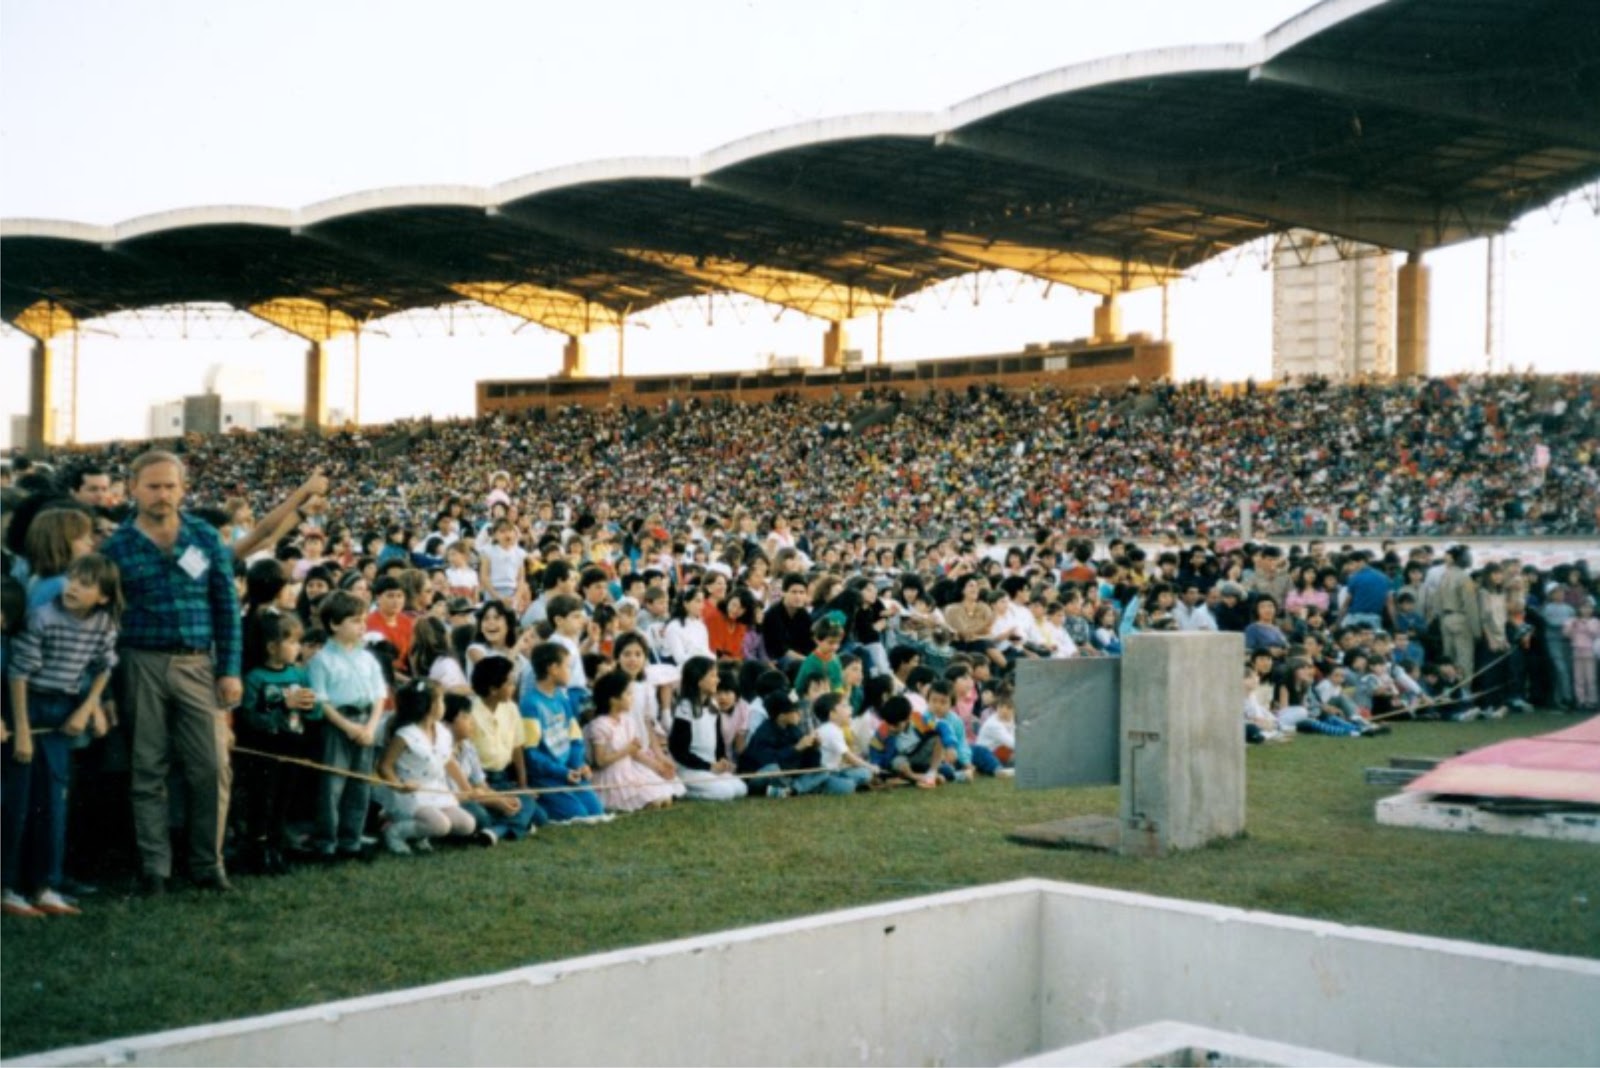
<point x="1408" y="124"/>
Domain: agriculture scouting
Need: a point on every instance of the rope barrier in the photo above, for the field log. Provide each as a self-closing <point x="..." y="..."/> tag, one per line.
<point x="1447" y="697"/>
<point x="531" y="791"/>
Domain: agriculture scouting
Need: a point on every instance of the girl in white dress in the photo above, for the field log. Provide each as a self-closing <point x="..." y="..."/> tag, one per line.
<point x="419" y="764"/>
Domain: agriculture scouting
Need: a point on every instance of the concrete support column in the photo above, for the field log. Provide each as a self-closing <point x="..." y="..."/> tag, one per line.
<point x="834" y="342"/>
<point x="316" y="412"/>
<point x="1108" y="319"/>
<point x="41" y="383"/>
<point x="574" y="358"/>
<point x="1411" y="318"/>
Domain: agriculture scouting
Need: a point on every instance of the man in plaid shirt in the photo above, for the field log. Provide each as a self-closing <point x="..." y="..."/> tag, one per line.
<point x="180" y="648"/>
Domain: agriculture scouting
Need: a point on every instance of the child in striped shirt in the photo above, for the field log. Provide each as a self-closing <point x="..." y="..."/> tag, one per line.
<point x="67" y="640"/>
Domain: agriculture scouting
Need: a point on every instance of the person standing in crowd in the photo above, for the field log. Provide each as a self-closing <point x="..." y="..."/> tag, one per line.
<point x="180" y="655"/>
<point x="1460" y="620"/>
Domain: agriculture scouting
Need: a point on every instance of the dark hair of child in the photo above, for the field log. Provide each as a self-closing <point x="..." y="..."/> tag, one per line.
<point x="387" y="655"/>
<point x="608" y="688"/>
<point x="412" y="702"/>
<point x="490" y="673"/>
<point x="561" y="606"/>
<point x="546" y="656"/>
<point x="694" y="672"/>
<point x="823" y="706"/>
<point x="101" y="573"/>
<point x="338" y="607"/>
<point x="455" y="704"/>
<point x="772" y="681"/>
<point x="895" y="711"/>
<point x="920" y="676"/>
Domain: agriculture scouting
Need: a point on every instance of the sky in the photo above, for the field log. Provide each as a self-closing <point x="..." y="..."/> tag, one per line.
<point x="109" y="111"/>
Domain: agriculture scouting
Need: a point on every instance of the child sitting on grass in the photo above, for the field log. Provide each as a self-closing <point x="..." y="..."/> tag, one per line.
<point x="493" y="812"/>
<point x="839" y="758"/>
<point x="696" y="742"/>
<point x="907" y="744"/>
<point x="997" y="739"/>
<point x="1259" y="724"/>
<point x="957" y="763"/>
<point x="783" y="746"/>
<point x="419" y="764"/>
<point x="496" y="731"/>
<point x="624" y="781"/>
<point x="552" y="741"/>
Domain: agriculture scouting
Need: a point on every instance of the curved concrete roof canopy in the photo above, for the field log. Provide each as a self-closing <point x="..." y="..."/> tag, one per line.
<point x="1408" y="124"/>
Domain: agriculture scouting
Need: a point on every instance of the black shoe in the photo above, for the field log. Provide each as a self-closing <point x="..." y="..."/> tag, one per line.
<point x="216" y="883"/>
<point x="152" y="885"/>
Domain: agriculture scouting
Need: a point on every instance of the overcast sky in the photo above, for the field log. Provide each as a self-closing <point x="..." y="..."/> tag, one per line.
<point x="113" y="110"/>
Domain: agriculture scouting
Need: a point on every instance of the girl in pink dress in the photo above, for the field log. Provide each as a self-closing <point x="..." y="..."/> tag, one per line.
<point x="623" y="781"/>
<point x="1584" y="634"/>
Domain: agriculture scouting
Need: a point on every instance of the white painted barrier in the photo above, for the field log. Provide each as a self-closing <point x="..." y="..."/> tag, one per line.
<point x="982" y="976"/>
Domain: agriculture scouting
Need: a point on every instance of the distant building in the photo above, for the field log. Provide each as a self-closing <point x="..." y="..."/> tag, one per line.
<point x="1332" y="314"/>
<point x="222" y="407"/>
<point x="209" y="414"/>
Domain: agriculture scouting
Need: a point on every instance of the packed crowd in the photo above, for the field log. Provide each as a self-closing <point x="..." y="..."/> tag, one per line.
<point x="1436" y="458"/>
<point x="390" y="652"/>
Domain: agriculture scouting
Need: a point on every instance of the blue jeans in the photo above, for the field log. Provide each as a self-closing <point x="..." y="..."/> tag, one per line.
<point x="341" y="802"/>
<point x="984" y="760"/>
<point x="817" y="782"/>
<point x="526" y="818"/>
<point x="33" y="825"/>
<point x="563" y="807"/>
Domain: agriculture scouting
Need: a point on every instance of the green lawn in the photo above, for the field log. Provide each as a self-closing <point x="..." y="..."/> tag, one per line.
<point x="130" y="966"/>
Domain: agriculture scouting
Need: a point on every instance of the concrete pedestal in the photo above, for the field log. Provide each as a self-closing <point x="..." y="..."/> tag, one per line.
<point x="1068" y="723"/>
<point x="1182" y="741"/>
<point x="1178" y="733"/>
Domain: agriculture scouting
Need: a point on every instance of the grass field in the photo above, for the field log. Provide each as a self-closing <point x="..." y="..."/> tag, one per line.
<point x="1312" y="849"/>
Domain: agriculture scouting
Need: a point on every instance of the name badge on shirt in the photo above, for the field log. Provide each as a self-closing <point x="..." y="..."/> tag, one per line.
<point x="193" y="562"/>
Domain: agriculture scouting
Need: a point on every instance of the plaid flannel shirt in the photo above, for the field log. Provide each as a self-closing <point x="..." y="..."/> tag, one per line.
<point x="167" y="607"/>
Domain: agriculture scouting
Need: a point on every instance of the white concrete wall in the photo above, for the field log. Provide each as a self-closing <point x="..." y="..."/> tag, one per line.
<point x="983" y="976"/>
<point x="1115" y="961"/>
<point x="949" y="979"/>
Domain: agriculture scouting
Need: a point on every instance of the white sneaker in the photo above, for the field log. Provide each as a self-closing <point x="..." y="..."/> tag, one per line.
<point x="1498" y="712"/>
<point x="422" y="845"/>
<point x="1006" y="773"/>
<point x="53" y="904"/>
<point x="14" y="904"/>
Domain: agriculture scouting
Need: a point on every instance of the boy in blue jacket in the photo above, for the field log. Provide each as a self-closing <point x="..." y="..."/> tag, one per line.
<point x="552" y="742"/>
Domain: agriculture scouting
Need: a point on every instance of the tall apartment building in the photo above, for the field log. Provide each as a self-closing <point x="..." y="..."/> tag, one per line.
<point x="1332" y="314"/>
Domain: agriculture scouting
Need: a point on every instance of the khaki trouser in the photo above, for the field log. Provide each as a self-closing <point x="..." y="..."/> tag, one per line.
<point x="172" y="700"/>
<point x="1456" y="637"/>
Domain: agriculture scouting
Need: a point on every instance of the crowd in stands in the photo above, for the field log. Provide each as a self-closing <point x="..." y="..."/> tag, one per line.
<point x="1435" y="458"/>
<point x="469" y="631"/>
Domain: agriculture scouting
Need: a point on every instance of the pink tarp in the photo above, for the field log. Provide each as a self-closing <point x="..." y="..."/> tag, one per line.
<point x="1563" y="766"/>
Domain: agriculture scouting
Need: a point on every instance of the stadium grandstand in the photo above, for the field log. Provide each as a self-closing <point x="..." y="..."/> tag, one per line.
<point x="603" y="594"/>
<point x="1405" y="124"/>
